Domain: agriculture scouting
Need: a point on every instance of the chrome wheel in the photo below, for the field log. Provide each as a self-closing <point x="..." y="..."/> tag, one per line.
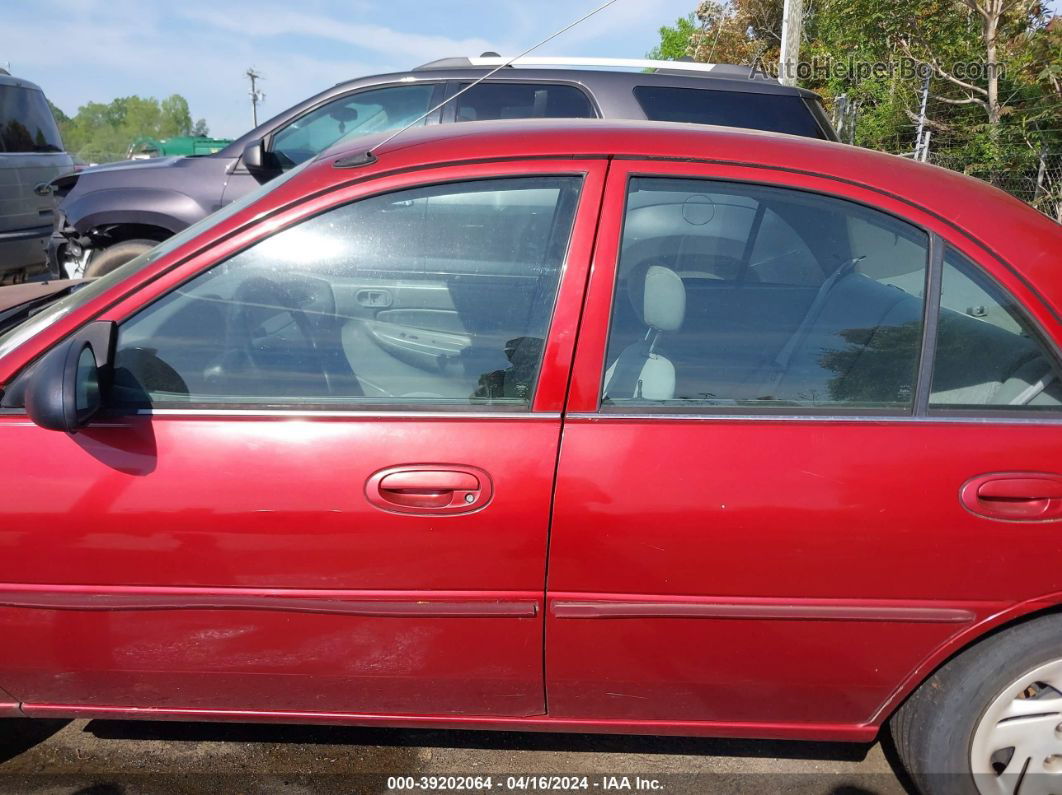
<point x="1017" y="745"/>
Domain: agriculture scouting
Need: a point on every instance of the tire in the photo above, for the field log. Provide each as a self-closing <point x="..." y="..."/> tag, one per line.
<point x="948" y="734"/>
<point x="115" y="256"/>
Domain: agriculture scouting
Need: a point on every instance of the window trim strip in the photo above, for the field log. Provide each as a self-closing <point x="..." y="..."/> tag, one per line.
<point x="930" y="315"/>
<point x="938" y="246"/>
<point x="955" y="417"/>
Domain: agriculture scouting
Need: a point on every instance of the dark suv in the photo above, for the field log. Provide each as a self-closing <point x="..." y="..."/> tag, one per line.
<point x="31" y="156"/>
<point x="112" y="213"/>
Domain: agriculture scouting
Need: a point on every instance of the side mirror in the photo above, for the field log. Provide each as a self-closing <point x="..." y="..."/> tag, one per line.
<point x="260" y="163"/>
<point x="64" y="390"/>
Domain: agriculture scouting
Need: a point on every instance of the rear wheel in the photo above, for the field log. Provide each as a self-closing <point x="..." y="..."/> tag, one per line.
<point x="990" y="721"/>
<point x="115" y="256"/>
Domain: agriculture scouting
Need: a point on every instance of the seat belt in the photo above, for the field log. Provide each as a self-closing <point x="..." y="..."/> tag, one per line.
<point x="785" y="355"/>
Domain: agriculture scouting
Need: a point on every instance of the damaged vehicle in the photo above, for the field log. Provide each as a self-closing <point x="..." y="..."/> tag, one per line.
<point x="109" y="214"/>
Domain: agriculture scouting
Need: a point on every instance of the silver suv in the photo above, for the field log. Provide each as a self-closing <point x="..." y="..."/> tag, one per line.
<point x="31" y="156"/>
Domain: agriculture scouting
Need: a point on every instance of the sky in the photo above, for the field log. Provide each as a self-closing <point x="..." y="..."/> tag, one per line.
<point x="95" y="50"/>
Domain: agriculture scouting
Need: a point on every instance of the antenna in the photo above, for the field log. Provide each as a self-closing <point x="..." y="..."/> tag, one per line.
<point x="368" y="156"/>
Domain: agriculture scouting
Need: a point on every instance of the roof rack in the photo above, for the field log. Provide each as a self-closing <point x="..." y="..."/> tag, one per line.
<point x="719" y="70"/>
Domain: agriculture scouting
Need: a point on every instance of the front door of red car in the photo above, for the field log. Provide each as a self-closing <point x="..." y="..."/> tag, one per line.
<point x="770" y="506"/>
<point x="323" y="482"/>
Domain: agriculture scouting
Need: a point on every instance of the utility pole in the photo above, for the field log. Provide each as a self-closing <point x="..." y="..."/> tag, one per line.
<point x="256" y="95"/>
<point x="792" y="22"/>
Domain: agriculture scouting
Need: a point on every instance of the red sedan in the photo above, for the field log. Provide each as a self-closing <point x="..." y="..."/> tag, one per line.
<point x="586" y="426"/>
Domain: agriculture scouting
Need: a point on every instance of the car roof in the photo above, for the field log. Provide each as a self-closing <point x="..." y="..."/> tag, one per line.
<point x="599" y="82"/>
<point x="1009" y="228"/>
<point x="8" y="79"/>
<point x="727" y="78"/>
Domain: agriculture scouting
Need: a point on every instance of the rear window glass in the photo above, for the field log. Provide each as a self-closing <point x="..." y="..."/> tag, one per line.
<point x="772" y="112"/>
<point x="26" y="123"/>
<point x="523" y="101"/>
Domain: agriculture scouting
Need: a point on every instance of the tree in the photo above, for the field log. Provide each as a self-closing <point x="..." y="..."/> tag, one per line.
<point x="675" y="41"/>
<point x="998" y="21"/>
<point x="1000" y="117"/>
<point x="174" y="117"/>
<point x="102" y="132"/>
<point x="739" y="32"/>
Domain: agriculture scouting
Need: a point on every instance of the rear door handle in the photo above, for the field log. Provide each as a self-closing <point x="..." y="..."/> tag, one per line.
<point x="1014" y="496"/>
<point x="430" y="489"/>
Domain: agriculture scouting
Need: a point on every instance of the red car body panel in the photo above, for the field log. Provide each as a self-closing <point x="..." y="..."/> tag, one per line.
<point x="177" y="502"/>
<point x="230" y="565"/>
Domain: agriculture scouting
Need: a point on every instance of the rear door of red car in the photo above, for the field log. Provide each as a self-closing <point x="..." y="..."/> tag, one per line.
<point x="325" y="480"/>
<point x="765" y="513"/>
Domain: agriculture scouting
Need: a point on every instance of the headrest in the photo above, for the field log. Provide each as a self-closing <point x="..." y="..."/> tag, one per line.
<point x="658" y="296"/>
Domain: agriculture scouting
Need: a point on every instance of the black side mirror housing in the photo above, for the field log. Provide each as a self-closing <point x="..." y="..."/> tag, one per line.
<point x="259" y="163"/>
<point x="66" y="388"/>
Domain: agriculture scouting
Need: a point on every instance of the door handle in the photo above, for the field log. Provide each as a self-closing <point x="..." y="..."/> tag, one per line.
<point x="1014" y="496"/>
<point x="429" y="489"/>
<point x="376" y="299"/>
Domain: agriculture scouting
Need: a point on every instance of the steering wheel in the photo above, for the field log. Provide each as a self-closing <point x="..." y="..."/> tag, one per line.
<point x="245" y="315"/>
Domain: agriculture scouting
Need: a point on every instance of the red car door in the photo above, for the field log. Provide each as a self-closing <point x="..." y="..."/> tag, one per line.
<point x="323" y="481"/>
<point x="787" y="479"/>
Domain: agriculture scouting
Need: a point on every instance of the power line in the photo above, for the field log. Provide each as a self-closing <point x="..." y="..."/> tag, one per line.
<point x="497" y="68"/>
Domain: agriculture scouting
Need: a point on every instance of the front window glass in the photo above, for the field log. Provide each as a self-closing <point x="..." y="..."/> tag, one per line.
<point x="84" y="294"/>
<point x="987" y="355"/>
<point x="377" y="110"/>
<point x="432" y="296"/>
<point x="752" y="296"/>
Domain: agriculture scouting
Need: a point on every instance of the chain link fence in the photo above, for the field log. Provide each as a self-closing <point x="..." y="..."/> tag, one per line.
<point x="1022" y="158"/>
<point x="1039" y="185"/>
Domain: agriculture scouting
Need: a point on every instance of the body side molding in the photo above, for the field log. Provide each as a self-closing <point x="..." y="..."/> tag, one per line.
<point x="397" y="604"/>
<point x="621" y="606"/>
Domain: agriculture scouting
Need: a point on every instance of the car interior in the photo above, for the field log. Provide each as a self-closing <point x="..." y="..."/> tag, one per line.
<point x="754" y="296"/>
<point x="387" y="108"/>
<point x="502" y="100"/>
<point x="440" y="295"/>
<point x="727" y="295"/>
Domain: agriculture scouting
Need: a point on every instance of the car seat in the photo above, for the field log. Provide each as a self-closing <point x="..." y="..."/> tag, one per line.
<point x="659" y="299"/>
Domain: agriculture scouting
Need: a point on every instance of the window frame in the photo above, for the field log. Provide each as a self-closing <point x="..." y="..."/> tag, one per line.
<point x="586" y="396"/>
<point x="1036" y="333"/>
<point x="353" y="404"/>
<point x="558" y="351"/>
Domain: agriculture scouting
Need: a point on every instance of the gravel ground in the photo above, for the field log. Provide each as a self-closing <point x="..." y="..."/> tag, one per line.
<point x="101" y="757"/>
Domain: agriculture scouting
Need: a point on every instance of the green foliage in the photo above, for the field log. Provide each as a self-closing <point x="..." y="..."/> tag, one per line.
<point x="675" y="40"/>
<point x="103" y="132"/>
<point x="900" y="35"/>
<point x="873" y="362"/>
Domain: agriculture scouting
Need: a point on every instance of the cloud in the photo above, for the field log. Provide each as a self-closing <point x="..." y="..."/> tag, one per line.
<point x="95" y="50"/>
<point x="117" y="51"/>
<point x="378" y="38"/>
<point x="624" y="16"/>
